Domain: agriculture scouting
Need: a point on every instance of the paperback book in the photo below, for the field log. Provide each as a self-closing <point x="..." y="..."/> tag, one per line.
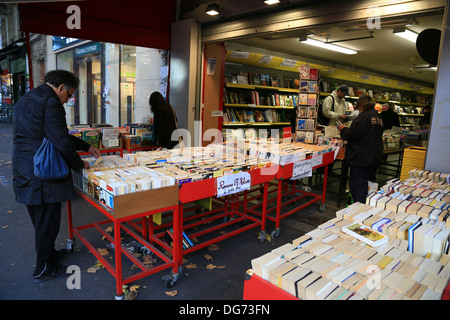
<point x="366" y="234"/>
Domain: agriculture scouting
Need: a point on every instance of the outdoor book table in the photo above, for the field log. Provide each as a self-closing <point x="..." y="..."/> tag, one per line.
<point x="291" y="192"/>
<point x="128" y="207"/>
<point x="226" y="213"/>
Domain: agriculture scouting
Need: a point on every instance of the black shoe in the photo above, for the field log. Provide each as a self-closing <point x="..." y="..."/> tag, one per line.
<point x="59" y="256"/>
<point x="47" y="272"/>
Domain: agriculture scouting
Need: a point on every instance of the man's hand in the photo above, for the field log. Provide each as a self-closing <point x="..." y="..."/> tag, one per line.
<point x="86" y="164"/>
<point x="94" y="151"/>
<point x="343" y="117"/>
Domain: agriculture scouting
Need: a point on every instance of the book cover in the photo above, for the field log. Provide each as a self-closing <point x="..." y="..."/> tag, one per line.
<point x="310" y="124"/>
<point x="365" y="234"/>
<point x="312" y="98"/>
<point x="311" y="112"/>
<point x="303" y="99"/>
<point x="313" y="74"/>
<point x="313" y="86"/>
<point x="302" y="111"/>
<point x="309" y="137"/>
<point x="301" y="124"/>
<point x="304" y="86"/>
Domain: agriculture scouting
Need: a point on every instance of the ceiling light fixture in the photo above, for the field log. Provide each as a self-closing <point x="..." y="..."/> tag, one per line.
<point x="406" y="34"/>
<point x="271" y="2"/>
<point x="328" y="46"/>
<point x="212" y="9"/>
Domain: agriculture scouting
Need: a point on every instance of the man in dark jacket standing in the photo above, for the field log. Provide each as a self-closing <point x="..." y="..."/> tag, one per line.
<point x="364" y="147"/>
<point x="38" y="114"/>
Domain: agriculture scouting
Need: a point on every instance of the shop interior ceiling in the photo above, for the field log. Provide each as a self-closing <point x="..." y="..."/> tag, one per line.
<point x="380" y="52"/>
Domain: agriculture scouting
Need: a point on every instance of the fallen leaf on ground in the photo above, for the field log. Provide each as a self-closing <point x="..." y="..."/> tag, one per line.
<point x="4" y="227"/>
<point x="208" y="257"/>
<point x="98" y="265"/>
<point x="103" y="251"/>
<point x="212" y="266"/>
<point x="172" y="293"/>
<point x="213" y="247"/>
<point x="134" y="287"/>
<point x="131" y="295"/>
<point x="191" y="266"/>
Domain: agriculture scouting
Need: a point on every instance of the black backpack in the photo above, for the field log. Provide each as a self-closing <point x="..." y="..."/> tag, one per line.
<point x="321" y="119"/>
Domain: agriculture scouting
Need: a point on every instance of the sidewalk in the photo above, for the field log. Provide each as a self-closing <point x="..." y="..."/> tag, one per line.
<point x="17" y="255"/>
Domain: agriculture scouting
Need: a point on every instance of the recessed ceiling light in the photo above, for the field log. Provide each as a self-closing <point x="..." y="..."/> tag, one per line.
<point x="271" y="2"/>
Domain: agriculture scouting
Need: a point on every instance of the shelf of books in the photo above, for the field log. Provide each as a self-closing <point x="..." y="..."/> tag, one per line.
<point x="308" y="98"/>
<point x="255" y="101"/>
<point x="393" y="247"/>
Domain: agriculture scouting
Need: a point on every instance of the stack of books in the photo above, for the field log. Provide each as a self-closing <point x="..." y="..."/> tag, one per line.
<point x="328" y="264"/>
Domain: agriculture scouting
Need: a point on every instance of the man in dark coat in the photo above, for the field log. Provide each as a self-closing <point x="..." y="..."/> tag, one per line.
<point x="40" y="113"/>
<point x="390" y="117"/>
<point x="364" y="148"/>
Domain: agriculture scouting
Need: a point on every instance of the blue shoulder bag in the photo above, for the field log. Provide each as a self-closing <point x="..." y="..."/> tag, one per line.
<point x="48" y="163"/>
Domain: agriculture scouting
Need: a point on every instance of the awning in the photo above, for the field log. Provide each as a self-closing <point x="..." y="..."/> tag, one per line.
<point x="138" y="22"/>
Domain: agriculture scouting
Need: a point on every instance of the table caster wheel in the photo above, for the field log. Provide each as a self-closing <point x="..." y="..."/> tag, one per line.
<point x="275" y="233"/>
<point x="322" y="208"/>
<point x="262" y="236"/>
<point x="70" y="244"/>
<point x="171" y="278"/>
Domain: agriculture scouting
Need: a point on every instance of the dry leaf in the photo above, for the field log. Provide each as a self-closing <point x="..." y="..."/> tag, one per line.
<point x="4" y="227"/>
<point x="9" y="211"/>
<point x="208" y="257"/>
<point x="98" y="265"/>
<point x="134" y="287"/>
<point x="109" y="229"/>
<point x="213" y="247"/>
<point x="210" y="266"/>
<point x="191" y="266"/>
<point x="172" y="293"/>
<point x="103" y="251"/>
<point x="131" y="295"/>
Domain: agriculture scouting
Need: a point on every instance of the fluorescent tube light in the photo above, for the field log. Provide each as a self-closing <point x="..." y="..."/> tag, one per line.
<point x="407" y="34"/>
<point x="329" y="46"/>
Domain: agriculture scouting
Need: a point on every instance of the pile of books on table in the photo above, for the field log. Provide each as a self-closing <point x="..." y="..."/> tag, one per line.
<point x="394" y="246"/>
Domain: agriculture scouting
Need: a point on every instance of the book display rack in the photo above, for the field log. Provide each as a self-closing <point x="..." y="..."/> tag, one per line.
<point x="328" y="263"/>
<point x="308" y="99"/>
<point x="148" y="194"/>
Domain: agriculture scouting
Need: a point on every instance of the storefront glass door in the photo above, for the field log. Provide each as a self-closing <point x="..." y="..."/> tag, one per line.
<point x="89" y="93"/>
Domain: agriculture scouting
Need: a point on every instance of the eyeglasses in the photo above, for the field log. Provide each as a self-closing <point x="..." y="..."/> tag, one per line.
<point x="68" y="93"/>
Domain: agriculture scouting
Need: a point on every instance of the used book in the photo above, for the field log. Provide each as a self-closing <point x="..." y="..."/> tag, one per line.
<point x="366" y="234"/>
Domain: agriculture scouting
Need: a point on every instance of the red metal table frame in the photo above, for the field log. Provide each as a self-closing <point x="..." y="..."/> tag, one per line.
<point x="194" y="191"/>
<point x="282" y="176"/>
<point x="119" y="224"/>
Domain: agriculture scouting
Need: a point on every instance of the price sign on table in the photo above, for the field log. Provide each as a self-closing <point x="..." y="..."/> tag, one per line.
<point x="233" y="183"/>
<point x="302" y="169"/>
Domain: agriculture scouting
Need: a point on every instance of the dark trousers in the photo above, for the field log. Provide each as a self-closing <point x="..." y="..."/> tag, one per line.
<point x="46" y="220"/>
<point x="359" y="182"/>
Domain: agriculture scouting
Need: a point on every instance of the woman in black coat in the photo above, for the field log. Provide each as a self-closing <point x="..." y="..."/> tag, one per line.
<point x="40" y="113"/>
<point x="164" y="121"/>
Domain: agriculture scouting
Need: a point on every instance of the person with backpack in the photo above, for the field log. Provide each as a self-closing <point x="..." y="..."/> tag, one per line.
<point x="364" y="147"/>
<point x="334" y="106"/>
